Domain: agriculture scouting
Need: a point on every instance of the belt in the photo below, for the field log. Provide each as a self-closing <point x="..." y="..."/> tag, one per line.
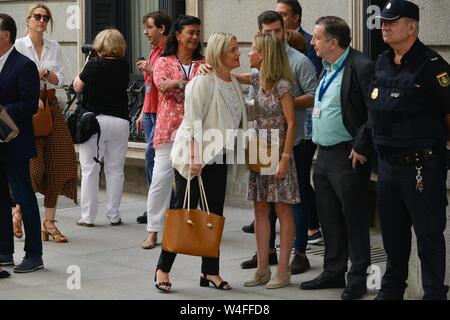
<point x="50" y="93"/>
<point x="347" y="144"/>
<point x="413" y="158"/>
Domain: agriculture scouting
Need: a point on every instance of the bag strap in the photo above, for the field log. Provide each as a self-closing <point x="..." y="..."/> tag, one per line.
<point x="96" y="159"/>
<point x="45" y="92"/>
<point x="203" y="193"/>
<point x="187" y="195"/>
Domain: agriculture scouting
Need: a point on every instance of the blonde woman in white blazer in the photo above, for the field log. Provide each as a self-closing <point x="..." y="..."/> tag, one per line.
<point x="213" y="102"/>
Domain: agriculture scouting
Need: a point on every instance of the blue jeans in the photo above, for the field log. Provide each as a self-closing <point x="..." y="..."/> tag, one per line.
<point x="149" y="130"/>
<point x="300" y="214"/>
<point x="16" y="175"/>
<point x="304" y="154"/>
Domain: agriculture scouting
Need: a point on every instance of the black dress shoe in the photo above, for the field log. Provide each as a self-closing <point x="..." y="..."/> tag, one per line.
<point x="6" y="260"/>
<point x="29" y="265"/>
<point x="353" y="293"/>
<point x="4" y="274"/>
<point x="250" y="228"/>
<point x="142" y="219"/>
<point x="253" y="262"/>
<point x="324" y="282"/>
<point x="384" y="296"/>
<point x="299" y="264"/>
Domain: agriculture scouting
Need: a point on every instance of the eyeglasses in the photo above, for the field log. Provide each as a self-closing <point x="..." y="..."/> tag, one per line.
<point x="38" y="17"/>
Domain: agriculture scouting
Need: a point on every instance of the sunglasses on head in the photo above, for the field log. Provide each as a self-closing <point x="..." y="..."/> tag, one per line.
<point x="38" y="17"/>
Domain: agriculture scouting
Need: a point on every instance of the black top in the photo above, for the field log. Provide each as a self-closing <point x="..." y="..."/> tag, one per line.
<point x="106" y="86"/>
<point x="429" y="93"/>
<point x="434" y="79"/>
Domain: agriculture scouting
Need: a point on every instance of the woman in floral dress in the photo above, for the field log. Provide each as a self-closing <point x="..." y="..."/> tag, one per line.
<point x="274" y="111"/>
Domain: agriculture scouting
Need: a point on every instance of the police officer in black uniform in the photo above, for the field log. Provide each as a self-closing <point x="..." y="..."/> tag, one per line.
<point x="410" y="111"/>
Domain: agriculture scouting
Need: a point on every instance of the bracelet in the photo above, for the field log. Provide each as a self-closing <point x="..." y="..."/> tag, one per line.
<point x="286" y="155"/>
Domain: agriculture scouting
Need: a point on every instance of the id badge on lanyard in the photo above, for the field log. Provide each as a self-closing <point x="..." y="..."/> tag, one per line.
<point x="148" y="89"/>
<point x="316" y="110"/>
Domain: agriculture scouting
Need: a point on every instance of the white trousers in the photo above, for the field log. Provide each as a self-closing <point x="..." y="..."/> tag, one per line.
<point x="158" y="200"/>
<point x="113" y="146"/>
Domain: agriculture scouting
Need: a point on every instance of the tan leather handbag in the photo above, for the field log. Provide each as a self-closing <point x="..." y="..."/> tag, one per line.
<point x="43" y="119"/>
<point x="252" y="156"/>
<point x="191" y="231"/>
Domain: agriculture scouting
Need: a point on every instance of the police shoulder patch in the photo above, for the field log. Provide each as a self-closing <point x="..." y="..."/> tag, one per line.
<point x="443" y="79"/>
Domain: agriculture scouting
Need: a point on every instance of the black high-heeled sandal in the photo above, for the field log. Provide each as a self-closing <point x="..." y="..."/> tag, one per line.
<point x="164" y="287"/>
<point x="204" y="282"/>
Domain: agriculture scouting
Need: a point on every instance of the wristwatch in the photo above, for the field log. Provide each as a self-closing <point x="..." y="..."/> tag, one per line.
<point x="181" y="84"/>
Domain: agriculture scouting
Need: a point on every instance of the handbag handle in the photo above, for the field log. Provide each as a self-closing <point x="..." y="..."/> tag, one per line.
<point x="203" y="200"/>
<point x="187" y="195"/>
<point x="45" y="92"/>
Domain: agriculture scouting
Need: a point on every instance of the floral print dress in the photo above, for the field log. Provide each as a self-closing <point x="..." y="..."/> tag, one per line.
<point x="269" y="115"/>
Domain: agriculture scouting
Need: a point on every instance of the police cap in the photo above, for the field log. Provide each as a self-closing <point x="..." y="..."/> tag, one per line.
<point x="396" y="9"/>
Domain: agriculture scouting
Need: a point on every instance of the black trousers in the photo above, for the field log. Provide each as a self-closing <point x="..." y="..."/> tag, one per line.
<point x="214" y="178"/>
<point x="16" y="174"/>
<point x="402" y="206"/>
<point x="342" y="205"/>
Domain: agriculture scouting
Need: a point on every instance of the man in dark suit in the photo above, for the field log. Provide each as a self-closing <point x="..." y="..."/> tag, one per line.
<point x="19" y="94"/>
<point x="342" y="171"/>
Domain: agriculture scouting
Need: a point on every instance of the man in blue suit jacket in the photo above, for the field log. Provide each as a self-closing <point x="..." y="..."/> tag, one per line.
<point x="19" y="93"/>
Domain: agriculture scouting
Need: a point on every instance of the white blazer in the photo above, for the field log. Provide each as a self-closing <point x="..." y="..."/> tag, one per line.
<point x="205" y="105"/>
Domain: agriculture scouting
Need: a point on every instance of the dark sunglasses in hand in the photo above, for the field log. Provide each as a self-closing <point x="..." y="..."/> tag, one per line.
<point x="38" y="17"/>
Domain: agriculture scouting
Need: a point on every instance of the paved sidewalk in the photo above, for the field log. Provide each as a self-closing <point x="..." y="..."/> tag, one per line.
<point x="114" y="267"/>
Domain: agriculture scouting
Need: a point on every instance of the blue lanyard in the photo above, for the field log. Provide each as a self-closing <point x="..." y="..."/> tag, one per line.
<point x="186" y="75"/>
<point x="324" y="86"/>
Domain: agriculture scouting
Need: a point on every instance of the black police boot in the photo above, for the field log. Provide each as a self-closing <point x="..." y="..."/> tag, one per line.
<point x="142" y="219"/>
<point x="249" y="228"/>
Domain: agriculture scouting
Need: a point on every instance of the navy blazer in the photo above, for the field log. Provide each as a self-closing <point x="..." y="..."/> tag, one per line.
<point x="19" y="94"/>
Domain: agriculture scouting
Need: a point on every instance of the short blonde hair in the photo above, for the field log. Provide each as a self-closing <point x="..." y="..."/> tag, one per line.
<point x="218" y="45"/>
<point x="275" y="64"/>
<point x="37" y="6"/>
<point x="110" y="42"/>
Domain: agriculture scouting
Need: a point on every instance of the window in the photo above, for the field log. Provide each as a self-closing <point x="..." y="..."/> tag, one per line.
<point x="126" y="16"/>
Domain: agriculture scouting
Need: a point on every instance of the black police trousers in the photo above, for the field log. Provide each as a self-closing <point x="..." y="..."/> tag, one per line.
<point x="401" y="206"/>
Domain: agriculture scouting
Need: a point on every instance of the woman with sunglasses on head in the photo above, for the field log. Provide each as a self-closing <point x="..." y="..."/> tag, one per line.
<point x="54" y="169"/>
<point x="177" y="67"/>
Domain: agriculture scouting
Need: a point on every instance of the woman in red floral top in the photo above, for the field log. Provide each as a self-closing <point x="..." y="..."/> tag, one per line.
<point x="178" y="65"/>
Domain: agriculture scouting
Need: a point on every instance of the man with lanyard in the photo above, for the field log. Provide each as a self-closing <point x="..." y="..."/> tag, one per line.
<point x="410" y="111"/>
<point x="342" y="170"/>
<point x="157" y="27"/>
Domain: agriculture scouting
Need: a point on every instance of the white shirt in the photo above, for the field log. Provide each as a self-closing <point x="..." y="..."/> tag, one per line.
<point x="4" y="58"/>
<point x="51" y="58"/>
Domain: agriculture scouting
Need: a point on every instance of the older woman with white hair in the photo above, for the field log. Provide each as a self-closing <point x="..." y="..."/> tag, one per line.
<point x="216" y="102"/>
